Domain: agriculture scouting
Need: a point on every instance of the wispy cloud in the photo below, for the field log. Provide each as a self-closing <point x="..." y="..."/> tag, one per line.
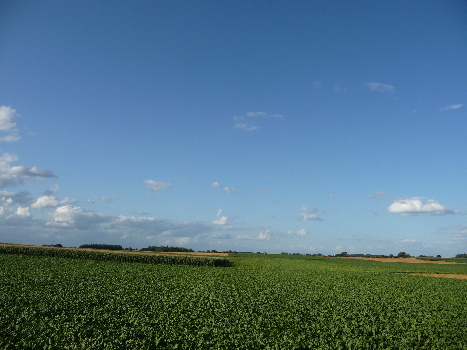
<point x="229" y="190"/>
<point x="109" y="199"/>
<point x="245" y="127"/>
<point x="456" y="106"/>
<point x="156" y="186"/>
<point x="249" y="120"/>
<point x="377" y="195"/>
<point x="379" y="87"/>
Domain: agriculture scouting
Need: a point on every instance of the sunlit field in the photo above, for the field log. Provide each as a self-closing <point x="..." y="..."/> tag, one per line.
<point x="261" y="302"/>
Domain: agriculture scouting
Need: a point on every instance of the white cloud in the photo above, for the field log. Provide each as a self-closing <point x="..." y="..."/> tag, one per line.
<point x="408" y="241"/>
<point x="309" y="213"/>
<point x="243" y="237"/>
<point x="416" y="206"/>
<point x="109" y="199"/>
<point x="21" y="217"/>
<point x="256" y="114"/>
<point x="379" y="87"/>
<point x="51" y="201"/>
<point x="331" y="197"/>
<point x="15" y="175"/>
<point x="216" y="185"/>
<point x="156" y="186"/>
<point x="69" y="216"/>
<point x="456" y="106"/>
<point x="221" y="220"/>
<point x="8" y="124"/>
<point x="266" y="236"/>
<point x="229" y="190"/>
<point x="301" y="232"/>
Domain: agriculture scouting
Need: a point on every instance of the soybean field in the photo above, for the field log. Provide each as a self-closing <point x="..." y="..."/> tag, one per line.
<point x="260" y="302"/>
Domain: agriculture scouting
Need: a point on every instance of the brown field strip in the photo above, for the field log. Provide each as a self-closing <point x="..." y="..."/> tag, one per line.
<point x="444" y="275"/>
<point x="406" y="260"/>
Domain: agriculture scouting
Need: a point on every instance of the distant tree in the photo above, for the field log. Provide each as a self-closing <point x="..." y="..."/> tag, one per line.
<point x="461" y="256"/>
<point x="391" y="256"/>
<point x="403" y="255"/>
<point x="102" y="246"/>
<point x="343" y="254"/>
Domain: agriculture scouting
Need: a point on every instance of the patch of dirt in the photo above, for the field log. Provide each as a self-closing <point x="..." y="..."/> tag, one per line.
<point x="407" y="260"/>
<point x="444" y="275"/>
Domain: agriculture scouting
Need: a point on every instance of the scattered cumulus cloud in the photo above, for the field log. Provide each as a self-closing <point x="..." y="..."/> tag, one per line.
<point x="456" y="106"/>
<point x="51" y="201"/>
<point x="308" y="212"/>
<point x="69" y="216"/>
<point x="156" y="186"/>
<point x="417" y="206"/>
<point x="221" y="220"/>
<point x="21" y="198"/>
<point x="379" y="87"/>
<point x="8" y="124"/>
<point x="265" y="236"/>
<point x="332" y="196"/>
<point x="227" y="190"/>
<point x="301" y="232"/>
<point x="15" y="175"/>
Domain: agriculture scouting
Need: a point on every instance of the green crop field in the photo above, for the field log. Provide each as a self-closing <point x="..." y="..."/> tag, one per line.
<point x="261" y="302"/>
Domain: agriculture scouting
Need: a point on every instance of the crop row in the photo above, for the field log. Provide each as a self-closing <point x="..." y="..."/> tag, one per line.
<point x="108" y="256"/>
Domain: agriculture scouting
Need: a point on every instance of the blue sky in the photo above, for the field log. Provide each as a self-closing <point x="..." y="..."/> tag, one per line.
<point x="310" y="127"/>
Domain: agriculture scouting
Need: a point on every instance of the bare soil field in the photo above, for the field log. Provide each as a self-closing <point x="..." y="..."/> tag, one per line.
<point x="407" y="260"/>
<point x="444" y="275"/>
